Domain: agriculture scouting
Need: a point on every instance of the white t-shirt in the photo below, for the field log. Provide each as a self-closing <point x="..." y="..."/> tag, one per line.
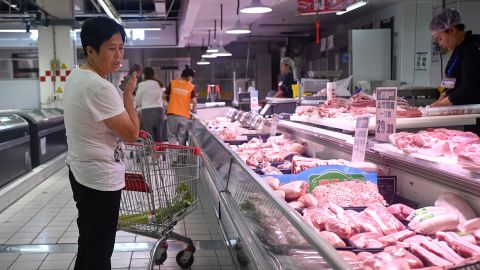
<point x="149" y="95"/>
<point x="95" y="152"/>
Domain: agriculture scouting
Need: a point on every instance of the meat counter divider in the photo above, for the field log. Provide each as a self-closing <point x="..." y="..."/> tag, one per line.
<point x="229" y="184"/>
<point x="439" y="176"/>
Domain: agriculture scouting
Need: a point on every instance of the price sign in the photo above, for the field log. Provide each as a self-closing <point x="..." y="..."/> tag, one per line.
<point x="254" y="100"/>
<point x="274" y="125"/>
<point x="360" y="139"/>
<point x="386" y="117"/>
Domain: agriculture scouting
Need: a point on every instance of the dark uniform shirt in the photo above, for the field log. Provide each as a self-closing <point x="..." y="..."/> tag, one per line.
<point x="464" y="66"/>
<point x="285" y="85"/>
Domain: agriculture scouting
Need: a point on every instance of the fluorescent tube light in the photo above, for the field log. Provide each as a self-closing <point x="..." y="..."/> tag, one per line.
<point x="352" y="7"/>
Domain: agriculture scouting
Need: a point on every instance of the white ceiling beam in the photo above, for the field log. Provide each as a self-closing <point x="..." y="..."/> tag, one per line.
<point x="189" y="12"/>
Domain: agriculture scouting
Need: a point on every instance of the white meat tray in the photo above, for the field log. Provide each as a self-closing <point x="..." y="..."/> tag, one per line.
<point x="402" y="123"/>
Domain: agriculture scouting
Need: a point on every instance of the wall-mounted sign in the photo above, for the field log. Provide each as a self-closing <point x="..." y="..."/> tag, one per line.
<point x="421" y="61"/>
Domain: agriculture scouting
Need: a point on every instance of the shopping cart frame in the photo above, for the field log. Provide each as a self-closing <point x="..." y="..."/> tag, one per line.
<point x="160" y="190"/>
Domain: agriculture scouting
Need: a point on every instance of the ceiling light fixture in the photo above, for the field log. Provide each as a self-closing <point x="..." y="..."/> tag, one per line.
<point x="222" y="52"/>
<point x="110" y="10"/>
<point x="256" y="7"/>
<point x="352" y="7"/>
<point x="202" y="61"/>
<point x="238" y="29"/>
<point x="214" y="47"/>
<point x="207" y="54"/>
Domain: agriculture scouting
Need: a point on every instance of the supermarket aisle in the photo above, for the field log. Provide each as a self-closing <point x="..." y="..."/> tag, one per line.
<point x="39" y="232"/>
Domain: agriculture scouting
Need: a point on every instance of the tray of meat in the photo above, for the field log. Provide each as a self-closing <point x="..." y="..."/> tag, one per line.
<point x="263" y="136"/>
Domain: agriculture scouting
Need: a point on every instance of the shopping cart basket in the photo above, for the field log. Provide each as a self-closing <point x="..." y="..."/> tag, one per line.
<point x="160" y="190"/>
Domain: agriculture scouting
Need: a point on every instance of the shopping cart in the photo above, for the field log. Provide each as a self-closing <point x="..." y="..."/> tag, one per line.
<point x="160" y="190"/>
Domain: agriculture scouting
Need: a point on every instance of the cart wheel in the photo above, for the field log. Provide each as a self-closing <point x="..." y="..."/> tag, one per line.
<point x="185" y="260"/>
<point x="161" y="259"/>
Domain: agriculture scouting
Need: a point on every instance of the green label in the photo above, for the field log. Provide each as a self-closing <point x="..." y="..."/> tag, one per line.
<point x="332" y="177"/>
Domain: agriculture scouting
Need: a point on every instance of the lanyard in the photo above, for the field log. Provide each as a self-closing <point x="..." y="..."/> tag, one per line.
<point x="450" y="68"/>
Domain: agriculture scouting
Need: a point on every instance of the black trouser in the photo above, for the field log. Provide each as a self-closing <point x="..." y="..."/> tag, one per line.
<point x="97" y="225"/>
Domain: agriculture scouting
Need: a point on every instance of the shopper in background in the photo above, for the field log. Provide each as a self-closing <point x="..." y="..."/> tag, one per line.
<point x="98" y="120"/>
<point x="180" y="94"/>
<point x="287" y="78"/>
<point x="462" y="73"/>
<point x="150" y="98"/>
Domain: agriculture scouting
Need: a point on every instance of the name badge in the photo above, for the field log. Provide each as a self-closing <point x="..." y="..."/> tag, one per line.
<point x="448" y="83"/>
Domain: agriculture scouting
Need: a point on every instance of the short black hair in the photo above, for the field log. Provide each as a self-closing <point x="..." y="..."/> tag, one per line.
<point x="148" y="73"/>
<point x="95" y="31"/>
<point x="187" y="72"/>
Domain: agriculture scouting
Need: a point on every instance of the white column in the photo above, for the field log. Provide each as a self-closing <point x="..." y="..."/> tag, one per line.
<point x="56" y="53"/>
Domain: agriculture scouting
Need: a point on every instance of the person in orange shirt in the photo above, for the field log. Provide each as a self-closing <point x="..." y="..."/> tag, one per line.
<point x="180" y="94"/>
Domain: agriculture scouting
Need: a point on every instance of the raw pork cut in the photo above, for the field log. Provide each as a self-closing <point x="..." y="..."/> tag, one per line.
<point x="430" y="258"/>
<point x="457" y="205"/>
<point x="387" y="222"/>
<point x="367" y="240"/>
<point x="400" y="211"/>
<point x="294" y="190"/>
<point x="273" y="182"/>
<point x="333" y="239"/>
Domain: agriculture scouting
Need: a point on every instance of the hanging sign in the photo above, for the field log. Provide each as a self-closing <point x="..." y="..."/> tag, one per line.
<point x="386" y="116"/>
<point x="310" y="7"/>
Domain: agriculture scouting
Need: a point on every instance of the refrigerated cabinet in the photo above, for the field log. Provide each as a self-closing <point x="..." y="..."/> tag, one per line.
<point x="14" y="148"/>
<point x="47" y="132"/>
<point x="248" y="210"/>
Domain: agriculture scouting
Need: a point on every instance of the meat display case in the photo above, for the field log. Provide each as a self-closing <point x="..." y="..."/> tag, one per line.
<point x="230" y="183"/>
<point x="232" y="186"/>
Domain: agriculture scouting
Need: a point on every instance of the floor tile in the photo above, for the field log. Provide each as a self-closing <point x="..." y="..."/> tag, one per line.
<point x="60" y="256"/>
<point x="32" y="257"/>
<point x="55" y="264"/>
<point x="119" y="263"/>
<point x="25" y="265"/>
<point x="5" y="257"/>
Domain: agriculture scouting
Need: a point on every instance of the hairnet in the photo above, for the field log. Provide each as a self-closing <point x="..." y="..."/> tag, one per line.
<point x="449" y="17"/>
<point x="288" y="61"/>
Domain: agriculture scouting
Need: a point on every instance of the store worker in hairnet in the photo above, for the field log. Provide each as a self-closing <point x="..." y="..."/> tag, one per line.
<point x="287" y="78"/>
<point x="462" y="73"/>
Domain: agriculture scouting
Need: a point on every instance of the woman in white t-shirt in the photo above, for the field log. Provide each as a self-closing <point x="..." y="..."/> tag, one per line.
<point x="150" y="99"/>
<point x="98" y="119"/>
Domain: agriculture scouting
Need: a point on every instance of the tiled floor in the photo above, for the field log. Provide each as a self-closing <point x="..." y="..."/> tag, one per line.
<point x="45" y="217"/>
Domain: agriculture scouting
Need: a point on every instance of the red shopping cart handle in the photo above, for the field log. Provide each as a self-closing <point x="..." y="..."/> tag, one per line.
<point x="135" y="182"/>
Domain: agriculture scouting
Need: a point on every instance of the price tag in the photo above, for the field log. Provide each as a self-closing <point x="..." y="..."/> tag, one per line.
<point x="360" y="139"/>
<point x="242" y="117"/>
<point x="241" y="138"/>
<point x="254" y="100"/>
<point x="262" y="124"/>
<point x="274" y="125"/>
<point x="386" y="117"/>
<point x="331" y="90"/>
<point x="230" y="112"/>
<point x="254" y="121"/>
<point x="235" y="114"/>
